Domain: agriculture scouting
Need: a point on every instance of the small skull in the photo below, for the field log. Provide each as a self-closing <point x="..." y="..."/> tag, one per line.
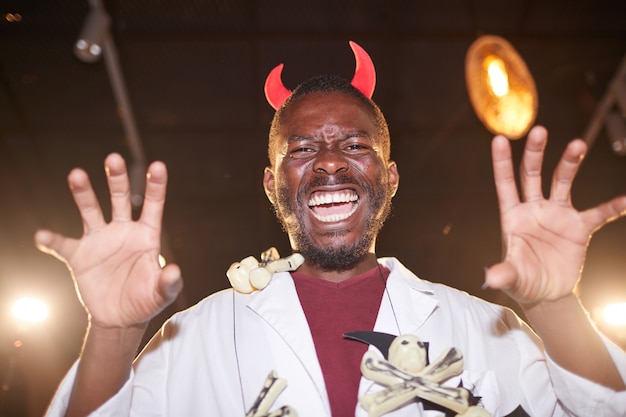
<point x="408" y="353"/>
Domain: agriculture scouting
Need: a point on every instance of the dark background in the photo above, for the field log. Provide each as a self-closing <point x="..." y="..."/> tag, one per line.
<point x="194" y="71"/>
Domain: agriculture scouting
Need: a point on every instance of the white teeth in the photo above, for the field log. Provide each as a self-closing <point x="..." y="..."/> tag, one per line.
<point x="334" y="217"/>
<point x="332" y="198"/>
<point x="329" y="198"/>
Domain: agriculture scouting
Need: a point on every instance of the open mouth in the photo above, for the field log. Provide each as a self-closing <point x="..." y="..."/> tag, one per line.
<point x="333" y="206"/>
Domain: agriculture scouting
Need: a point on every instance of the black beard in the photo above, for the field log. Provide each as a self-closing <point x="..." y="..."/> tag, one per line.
<point x="333" y="258"/>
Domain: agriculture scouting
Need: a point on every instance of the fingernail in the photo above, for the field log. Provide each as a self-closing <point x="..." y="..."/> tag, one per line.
<point x="485" y="284"/>
<point x="175" y="287"/>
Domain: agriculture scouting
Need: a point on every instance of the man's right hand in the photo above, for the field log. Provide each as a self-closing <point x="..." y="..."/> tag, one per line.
<point x="115" y="265"/>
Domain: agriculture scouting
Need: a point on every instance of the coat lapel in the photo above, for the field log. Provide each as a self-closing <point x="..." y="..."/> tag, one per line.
<point x="406" y="304"/>
<point x="279" y="306"/>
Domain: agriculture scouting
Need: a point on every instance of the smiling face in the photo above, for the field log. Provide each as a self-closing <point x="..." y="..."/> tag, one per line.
<point x="330" y="182"/>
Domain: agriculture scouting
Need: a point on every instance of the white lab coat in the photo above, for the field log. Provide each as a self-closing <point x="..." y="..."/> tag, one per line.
<point x="212" y="359"/>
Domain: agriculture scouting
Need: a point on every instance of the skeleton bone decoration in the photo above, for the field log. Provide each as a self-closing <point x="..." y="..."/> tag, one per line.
<point x="250" y="275"/>
<point x="407" y="377"/>
<point x="272" y="387"/>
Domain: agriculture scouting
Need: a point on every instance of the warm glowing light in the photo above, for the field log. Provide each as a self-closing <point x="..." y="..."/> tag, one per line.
<point x="501" y="89"/>
<point x="30" y="310"/>
<point x="162" y="261"/>
<point x="615" y="314"/>
<point x="497" y="75"/>
<point x="13" y="17"/>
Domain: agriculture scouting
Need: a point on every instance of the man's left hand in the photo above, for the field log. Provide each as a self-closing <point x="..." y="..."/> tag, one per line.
<point x="544" y="239"/>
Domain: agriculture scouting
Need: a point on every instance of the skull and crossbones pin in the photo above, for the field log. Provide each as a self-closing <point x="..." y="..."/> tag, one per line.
<point x="407" y="376"/>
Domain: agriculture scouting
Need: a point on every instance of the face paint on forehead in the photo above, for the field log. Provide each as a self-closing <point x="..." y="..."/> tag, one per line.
<point x="326" y="117"/>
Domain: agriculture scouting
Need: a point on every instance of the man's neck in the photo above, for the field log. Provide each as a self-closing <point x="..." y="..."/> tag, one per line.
<point x="365" y="264"/>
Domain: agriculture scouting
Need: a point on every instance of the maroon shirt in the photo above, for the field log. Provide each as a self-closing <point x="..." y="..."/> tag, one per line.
<point x="333" y="309"/>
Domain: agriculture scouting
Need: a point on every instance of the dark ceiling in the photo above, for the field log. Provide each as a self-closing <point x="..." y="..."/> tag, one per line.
<point x="194" y="71"/>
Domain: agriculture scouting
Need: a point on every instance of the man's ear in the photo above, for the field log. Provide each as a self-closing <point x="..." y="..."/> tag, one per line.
<point x="394" y="177"/>
<point x="268" y="184"/>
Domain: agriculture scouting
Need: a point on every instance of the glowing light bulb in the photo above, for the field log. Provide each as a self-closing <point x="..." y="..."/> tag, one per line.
<point x="501" y="89"/>
<point x="30" y="310"/>
<point x="615" y="314"/>
<point x="497" y="75"/>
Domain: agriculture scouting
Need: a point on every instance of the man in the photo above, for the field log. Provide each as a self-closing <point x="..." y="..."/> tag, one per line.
<point x="331" y="181"/>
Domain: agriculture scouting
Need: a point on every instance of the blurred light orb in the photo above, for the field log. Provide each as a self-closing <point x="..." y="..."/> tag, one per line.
<point x="30" y="310"/>
<point x="88" y="47"/>
<point x="615" y="314"/>
<point x="500" y="86"/>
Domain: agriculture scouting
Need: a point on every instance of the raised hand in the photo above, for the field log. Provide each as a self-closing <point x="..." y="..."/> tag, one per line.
<point x="545" y="240"/>
<point x="115" y="265"/>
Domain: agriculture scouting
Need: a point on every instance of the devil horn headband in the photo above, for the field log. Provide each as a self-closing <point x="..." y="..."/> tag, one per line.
<point x="364" y="78"/>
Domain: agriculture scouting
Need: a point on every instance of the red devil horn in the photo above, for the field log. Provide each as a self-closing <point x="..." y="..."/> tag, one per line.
<point x="364" y="78"/>
<point x="275" y="91"/>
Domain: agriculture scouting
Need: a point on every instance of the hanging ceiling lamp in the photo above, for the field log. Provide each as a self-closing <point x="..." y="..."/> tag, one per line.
<point x="501" y="89"/>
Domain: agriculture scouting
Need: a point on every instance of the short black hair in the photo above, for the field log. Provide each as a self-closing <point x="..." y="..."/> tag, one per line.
<point x="329" y="84"/>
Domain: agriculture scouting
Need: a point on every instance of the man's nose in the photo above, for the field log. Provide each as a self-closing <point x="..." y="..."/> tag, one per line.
<point x="330" y="161"/>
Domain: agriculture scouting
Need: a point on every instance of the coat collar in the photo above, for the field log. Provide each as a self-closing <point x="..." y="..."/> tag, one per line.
<point x="406" y="305"/>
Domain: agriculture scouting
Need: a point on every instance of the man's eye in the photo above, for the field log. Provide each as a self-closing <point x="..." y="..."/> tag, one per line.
<point x="301" y="152"/>
<point x="357" y="147"/>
